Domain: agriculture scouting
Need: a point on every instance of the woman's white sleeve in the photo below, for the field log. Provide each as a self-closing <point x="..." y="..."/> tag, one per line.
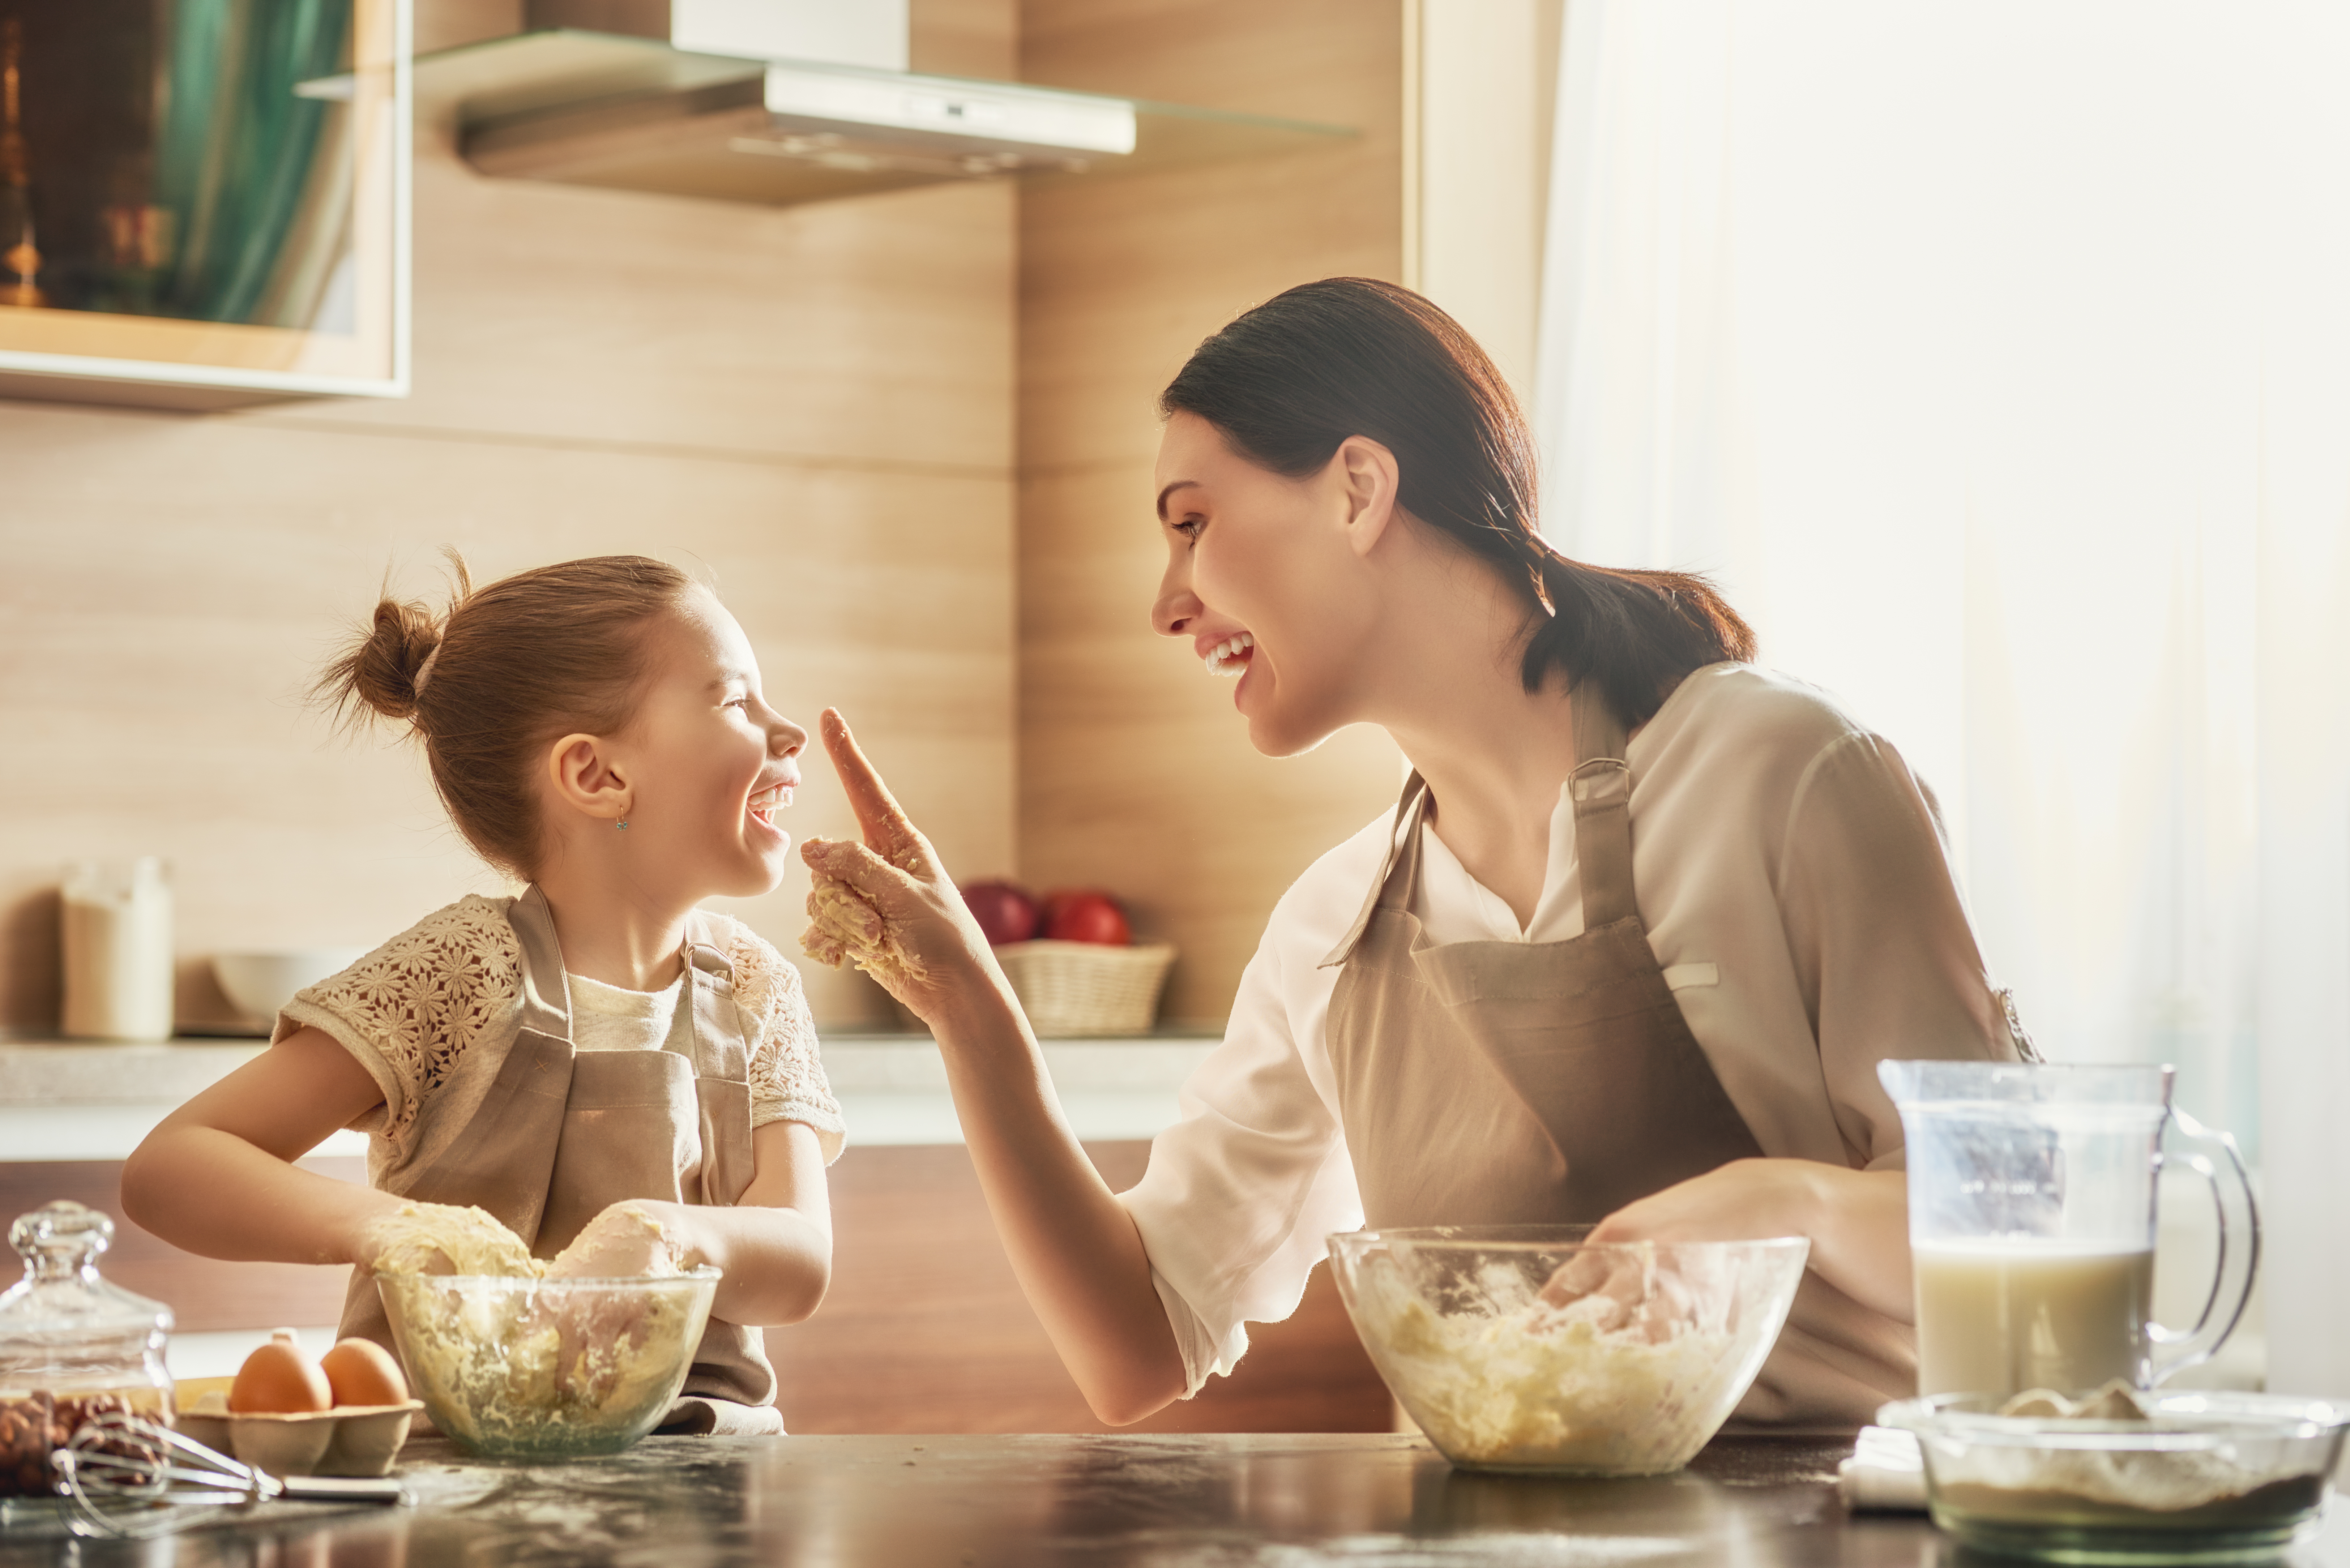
<point x="1242" y="1194"/>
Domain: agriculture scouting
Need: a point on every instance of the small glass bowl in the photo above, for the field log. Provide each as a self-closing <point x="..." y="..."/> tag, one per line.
<point x="1631" y="1379"/>
<point x="532" y="1368"/>
<point x="2205" y="1478"/>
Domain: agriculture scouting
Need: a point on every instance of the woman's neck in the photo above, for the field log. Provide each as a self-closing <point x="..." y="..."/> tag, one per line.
<point x="1494" y="755"/>
<point x="617" y="934"/>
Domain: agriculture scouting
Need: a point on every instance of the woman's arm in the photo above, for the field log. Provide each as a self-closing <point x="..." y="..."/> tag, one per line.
<point x="773" y="1243"/>
<point x="1073" y="1245"/>
<point x="1858" y="1221"/>
<point x="217" y="1177"/>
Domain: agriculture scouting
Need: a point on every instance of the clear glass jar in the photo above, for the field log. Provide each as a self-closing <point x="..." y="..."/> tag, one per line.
<point x="71" y="1345"/>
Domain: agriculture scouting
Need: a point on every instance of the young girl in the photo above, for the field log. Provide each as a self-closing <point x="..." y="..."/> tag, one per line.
<point x="597" y="1044"/>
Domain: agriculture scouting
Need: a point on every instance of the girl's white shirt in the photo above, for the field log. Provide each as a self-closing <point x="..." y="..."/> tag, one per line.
<point x="1798" y="894"/>
<point x="612" y="1018"/>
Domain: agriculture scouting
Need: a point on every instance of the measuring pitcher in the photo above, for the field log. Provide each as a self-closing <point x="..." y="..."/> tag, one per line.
<point x="2031" y="1224"/>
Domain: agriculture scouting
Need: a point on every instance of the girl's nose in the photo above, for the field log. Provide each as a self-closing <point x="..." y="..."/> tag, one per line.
<point x="785" y="739"/>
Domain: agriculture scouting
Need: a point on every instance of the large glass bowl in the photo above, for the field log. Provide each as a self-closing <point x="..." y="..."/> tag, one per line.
<point x="531" y="1368"/>
<point x="2205" y="1478"/>
<point x="1628" y="1371"/>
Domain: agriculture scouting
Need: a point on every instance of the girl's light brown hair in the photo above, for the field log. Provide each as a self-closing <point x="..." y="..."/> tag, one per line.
<point x="503" y="672"/>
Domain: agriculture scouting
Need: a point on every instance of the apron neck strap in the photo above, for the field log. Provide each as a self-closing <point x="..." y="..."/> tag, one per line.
<point x="545" y="998"/>
<point x="1602" y="788"/>
<point x="1403" y="842"/>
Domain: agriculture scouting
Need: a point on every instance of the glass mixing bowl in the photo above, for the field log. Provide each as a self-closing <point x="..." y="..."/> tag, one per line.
<point x="531" y="1368"/>
<point x="2204" y="1478"/>
<point x="1630" y="1370"/>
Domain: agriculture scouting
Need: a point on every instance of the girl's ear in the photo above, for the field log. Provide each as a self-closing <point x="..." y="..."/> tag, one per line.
<point x="1367" y="478"/>
<point x="585" y="779"/>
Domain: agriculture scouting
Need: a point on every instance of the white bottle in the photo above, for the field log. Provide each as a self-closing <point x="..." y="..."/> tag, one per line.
<point x="118" y="950"/>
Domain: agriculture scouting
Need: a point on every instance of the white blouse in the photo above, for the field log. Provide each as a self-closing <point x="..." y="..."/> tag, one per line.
<point x="1798" y="894"/>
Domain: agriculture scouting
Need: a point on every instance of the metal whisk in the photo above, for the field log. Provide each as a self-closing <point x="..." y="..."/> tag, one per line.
<point x="125" y="1475"/>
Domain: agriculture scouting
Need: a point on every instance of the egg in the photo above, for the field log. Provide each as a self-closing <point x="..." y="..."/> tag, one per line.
<point x="279" y="1379"/>
<point x="362" y="1372"/>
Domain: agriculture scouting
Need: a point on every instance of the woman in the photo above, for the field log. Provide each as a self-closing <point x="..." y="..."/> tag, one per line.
<point x="1628" y="951"/>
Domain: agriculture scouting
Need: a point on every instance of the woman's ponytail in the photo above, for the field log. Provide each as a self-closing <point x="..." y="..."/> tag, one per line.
<point x="1288" y="381"/>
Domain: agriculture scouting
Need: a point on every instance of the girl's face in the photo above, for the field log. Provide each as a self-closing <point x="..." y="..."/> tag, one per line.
<point x="708" y="763"/>
<point x="1262" y="579"/>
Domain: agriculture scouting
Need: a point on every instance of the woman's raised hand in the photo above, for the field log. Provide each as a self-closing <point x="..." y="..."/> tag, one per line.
<point x="886" y="903"/>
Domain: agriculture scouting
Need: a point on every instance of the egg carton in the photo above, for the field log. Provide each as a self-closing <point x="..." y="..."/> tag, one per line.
<point x="347" y="1440"/>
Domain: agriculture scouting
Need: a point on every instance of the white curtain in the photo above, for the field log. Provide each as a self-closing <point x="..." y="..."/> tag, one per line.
<point x="1995" y="359"/>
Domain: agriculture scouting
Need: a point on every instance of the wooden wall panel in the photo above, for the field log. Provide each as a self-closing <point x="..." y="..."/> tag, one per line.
<point x="1120" y="730"/>
<point x="814" y="404"/>
<point x="203" y="1293"/>
<point x="925" y="1329"/>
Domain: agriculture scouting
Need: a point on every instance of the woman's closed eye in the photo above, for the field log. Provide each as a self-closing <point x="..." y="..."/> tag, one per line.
<point x="1189" y="527"/>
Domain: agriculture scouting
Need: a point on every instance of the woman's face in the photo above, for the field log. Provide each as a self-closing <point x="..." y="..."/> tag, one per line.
<point x="708" y="763"/>
<point x="1262" y="579"/>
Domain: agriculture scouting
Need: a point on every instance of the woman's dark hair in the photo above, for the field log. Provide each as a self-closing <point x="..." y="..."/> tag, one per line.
<point x="500" y="674"/>
<point x="1288" y="381"/>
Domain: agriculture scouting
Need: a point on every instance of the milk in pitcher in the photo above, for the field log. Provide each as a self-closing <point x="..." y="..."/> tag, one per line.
<point x="1999" y="1316"/>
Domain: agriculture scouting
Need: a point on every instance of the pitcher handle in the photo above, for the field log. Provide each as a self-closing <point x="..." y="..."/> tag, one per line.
<point x="2237" y="1265"/>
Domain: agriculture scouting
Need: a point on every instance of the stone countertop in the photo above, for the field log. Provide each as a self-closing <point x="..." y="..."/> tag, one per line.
<point x="78" y="1100"/>
<point x="1227" y="1501"/>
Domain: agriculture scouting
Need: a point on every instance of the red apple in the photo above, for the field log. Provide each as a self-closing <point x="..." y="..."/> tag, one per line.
<point x="1004" y="911"/>
<point x="1085" y="915"/>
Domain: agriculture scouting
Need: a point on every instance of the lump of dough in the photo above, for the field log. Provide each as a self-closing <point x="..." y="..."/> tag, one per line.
<point x="845" y="928"/>
<point x="628" y="1227"/>
<point x="423" y="1237"/>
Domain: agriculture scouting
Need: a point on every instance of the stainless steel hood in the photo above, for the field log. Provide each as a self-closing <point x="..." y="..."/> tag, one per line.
<point x="637" y="113"/>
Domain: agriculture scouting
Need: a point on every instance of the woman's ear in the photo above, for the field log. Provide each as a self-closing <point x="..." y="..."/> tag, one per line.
<point x="1367" y="478"/>
<point x="586" y="780"/>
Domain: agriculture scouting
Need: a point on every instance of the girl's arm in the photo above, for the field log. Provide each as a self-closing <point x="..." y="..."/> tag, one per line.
<point x="775" y="1243"/>
<point x="217" y="1177"/>
<point x="1079" y="1259"/>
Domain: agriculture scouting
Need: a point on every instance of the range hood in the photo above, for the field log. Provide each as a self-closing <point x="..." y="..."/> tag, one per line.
<point x="696" y="98"/>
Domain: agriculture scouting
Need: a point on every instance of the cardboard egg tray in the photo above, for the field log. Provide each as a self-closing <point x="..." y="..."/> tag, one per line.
<point x="347" y="1440"/>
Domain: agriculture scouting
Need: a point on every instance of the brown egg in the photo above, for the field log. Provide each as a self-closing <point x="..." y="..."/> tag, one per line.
<point x="279" y="1379"/>
<point x="362" y="1372"/>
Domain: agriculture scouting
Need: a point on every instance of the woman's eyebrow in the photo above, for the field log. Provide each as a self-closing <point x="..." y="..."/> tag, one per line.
<point x="1179" y="484"/>
<point x="726" y="678"/>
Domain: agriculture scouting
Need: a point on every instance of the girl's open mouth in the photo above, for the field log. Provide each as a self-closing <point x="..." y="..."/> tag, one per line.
<point x="767" y="801"/>
<point x="1231" y="657"/>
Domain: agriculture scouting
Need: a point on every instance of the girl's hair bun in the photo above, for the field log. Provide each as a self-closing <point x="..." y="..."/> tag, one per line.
<point x="386" y="672"/>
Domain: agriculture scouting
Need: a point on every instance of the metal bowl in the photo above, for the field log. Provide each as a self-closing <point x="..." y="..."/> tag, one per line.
<point x="533" y="1368"/>
<point x="1630" y="1374"/>
<point x="2204" y="1478"/>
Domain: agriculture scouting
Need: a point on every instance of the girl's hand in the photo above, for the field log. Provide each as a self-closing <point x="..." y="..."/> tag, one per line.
<point x="905" y="921"/>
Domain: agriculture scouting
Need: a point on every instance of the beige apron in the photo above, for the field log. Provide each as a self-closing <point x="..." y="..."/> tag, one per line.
<point x="562" y="1134"/>
<point x="1500" y="1083"/>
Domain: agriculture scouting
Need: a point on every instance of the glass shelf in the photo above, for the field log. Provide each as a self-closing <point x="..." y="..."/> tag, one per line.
<point x="205" y="228"/>
<point x="634" y="113"/>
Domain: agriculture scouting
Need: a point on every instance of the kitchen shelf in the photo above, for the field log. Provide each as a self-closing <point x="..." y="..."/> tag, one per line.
<point x="247" y="281"/>
<point x="634" y="113"/>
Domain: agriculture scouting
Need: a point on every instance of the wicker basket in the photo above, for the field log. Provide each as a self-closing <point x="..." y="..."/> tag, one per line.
<point x="1087" y="988"/>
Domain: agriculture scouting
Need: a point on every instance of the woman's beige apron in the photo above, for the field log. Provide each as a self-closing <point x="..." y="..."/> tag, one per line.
<point x="1502" y="1083"/>
<point x="564" y="1134"/>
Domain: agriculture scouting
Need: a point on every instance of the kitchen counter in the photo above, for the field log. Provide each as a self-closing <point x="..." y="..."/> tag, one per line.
<point x="72" y="1100"/>
<point x="1234" y="1502"/>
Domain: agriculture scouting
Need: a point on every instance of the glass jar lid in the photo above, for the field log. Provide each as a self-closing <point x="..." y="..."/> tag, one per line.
<point x="63" y="1324"/>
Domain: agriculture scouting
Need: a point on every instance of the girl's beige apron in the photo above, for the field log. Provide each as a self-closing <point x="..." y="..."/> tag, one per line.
<point x="1500" y="1083"/>
<point x="564" y="1134"/>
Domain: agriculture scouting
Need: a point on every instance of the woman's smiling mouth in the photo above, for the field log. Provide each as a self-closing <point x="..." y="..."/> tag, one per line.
<point x="1231" y="657"/>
